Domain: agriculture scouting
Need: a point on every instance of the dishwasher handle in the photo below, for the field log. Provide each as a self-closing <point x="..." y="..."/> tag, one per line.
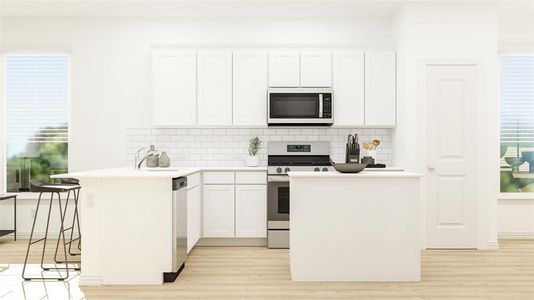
<point x="179" y="183"/>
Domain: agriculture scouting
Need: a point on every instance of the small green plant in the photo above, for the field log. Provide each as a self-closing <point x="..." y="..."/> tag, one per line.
<point x="254" y="146"/>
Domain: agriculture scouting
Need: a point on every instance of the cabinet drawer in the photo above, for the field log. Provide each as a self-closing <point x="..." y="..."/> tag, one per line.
<point x="193" y="180"/>
<point x="251" y="177"/>
<point x="218" y="178"/>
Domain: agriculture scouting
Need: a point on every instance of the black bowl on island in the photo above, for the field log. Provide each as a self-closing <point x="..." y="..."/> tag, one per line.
<point x="349" y="167"/>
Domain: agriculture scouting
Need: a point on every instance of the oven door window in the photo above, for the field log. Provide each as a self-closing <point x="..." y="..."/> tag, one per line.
<point x="283" y="200"/>
<point x="290" y="105"/>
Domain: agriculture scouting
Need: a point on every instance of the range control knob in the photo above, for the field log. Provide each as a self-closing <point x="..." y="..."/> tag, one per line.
<point x="278" y="170"/>
<point x="287" y="169"/>
<point x="316" y="169"/>
<point x="325" y="169"/>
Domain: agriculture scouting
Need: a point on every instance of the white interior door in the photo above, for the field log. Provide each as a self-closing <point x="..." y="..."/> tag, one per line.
<point x="451" y="96"/>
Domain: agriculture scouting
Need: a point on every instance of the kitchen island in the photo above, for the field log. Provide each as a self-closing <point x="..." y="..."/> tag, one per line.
<point x="355" y="227"/>
<point x="126" y="218"/>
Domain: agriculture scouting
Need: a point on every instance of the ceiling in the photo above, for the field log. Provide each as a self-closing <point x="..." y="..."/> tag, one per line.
<point x="227" y="8"/>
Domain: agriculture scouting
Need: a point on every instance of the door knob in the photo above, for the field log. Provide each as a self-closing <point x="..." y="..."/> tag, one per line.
<point x="431" y="168"/>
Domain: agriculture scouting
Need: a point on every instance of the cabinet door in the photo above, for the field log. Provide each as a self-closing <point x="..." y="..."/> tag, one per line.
<point x="316" y="69"/>
<point x="380" y="88"/>
<point x="218" y="207"/>
<point x="214" y="88"/>
<point x="348" y="88"/>
<point x="251" y="211"/>
<point x="284" y="69"/>
<point x="193" y="217"/>
<point x="173" y="88"/>
<point x="250" y="88"/>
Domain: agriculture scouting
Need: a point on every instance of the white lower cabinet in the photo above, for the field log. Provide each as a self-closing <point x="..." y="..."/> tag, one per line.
<point x="218" y="211"/>
<point x="193" y="217"/>
<point x="251" y="211"/>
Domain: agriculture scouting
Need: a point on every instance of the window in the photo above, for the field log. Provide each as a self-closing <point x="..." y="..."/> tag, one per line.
<point x="517" y="123"/>
<point x="36" y="118"/>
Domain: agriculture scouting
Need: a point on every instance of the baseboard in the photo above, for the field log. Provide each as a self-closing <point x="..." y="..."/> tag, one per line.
<point x="243" y="242"/>
<point x="518" y="235"/>
<point x="493" y="246"/>
<point x="90" y="280"/>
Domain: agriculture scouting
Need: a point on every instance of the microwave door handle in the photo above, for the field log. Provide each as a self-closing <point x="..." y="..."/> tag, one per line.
<point x="320" y="105"/>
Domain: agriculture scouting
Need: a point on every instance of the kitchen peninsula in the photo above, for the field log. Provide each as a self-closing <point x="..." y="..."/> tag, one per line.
<point x="355" y="227"/>
<point x="127" y="219"/>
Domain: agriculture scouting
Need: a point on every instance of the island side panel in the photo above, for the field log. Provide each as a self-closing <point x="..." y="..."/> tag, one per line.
<point x="134" y="217"/>
<point x="355" y="229"/>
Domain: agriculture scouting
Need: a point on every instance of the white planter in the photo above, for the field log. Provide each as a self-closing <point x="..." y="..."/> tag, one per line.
<point x="253" y="161"/>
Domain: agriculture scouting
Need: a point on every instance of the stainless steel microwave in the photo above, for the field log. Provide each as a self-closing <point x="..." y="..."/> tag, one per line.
<point x="300" y="106"/>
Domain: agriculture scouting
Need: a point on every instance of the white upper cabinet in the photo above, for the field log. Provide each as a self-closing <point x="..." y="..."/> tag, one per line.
<point x="284" y="69"/>
<point x="380" y="88"/>
<point x="251" y="211"/>
<point x="250" y="88"/>
<point x="173" y="88"/>
<point x="214" y="88"/>
<point x="316" y="69"/>
<point x="348" y="84"/>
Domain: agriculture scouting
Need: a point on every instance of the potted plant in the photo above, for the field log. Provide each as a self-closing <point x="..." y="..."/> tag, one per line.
<point x="253" y="147"/>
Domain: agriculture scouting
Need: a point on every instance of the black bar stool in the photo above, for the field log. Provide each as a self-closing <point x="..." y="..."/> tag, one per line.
<point x="44" y="187"/>
<point x="75" y="220"/>
<point x="14" y="230"/>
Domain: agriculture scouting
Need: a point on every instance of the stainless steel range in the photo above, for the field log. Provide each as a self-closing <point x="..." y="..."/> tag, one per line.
<point x="284" y="157"/>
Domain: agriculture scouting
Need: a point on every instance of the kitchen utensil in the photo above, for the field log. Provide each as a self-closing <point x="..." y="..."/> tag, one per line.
<point x="376" y="143"/>
<point x="352" y="152"/>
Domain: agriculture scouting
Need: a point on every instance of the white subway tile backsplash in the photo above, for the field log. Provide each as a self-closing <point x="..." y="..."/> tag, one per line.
<point x="189" y="147"/>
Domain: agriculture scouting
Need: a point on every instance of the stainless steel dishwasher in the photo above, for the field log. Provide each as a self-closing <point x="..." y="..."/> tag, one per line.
<point x="179" y="228"/>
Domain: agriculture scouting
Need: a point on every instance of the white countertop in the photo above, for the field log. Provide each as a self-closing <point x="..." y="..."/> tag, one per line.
<point x="362" y="174"/>
<point x="150" y="172"/>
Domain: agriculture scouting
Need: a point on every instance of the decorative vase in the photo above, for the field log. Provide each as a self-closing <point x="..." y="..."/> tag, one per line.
<point x="253" y="161"/>
<point x="152" y="160"/>
<point x="164" y="161"/>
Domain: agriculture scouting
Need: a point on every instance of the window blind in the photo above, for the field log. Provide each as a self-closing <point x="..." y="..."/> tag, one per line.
<point x="37" y="97"/>
<point x="517" y="100"/>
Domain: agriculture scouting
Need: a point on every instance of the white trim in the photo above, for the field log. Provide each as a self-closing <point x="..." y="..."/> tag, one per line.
<point x="516" y="196"/>
<point x="516" y="235"/>
<point x="492" y="246"/>
<point x="89" y="280"/>
<point x="270" y="46"/>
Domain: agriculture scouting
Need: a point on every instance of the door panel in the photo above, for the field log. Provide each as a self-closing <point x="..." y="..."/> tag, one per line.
<point x="451" y="95"/>
<point x="214" y="88"/>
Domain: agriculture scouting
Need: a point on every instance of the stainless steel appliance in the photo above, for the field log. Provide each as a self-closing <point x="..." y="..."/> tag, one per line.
<point x="284" y="157"/>
<point x="179" y="228"/>
<point x="300" y="106"/>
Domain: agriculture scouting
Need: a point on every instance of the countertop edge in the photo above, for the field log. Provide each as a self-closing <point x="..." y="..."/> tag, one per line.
<point x="155" y="173"/>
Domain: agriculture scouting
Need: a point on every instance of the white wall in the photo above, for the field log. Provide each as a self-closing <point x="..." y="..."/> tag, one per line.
<point x="449" y="31"/>
<point x="111" y="61"/>
<point x="516" y="216"/>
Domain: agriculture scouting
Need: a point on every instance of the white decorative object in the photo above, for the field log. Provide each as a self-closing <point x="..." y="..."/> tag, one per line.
<point x="253" y="148"/>
<point x="253" y="161"/>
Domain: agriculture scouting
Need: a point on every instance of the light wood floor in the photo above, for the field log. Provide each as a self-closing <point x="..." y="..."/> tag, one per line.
<point x="260" y="273"/>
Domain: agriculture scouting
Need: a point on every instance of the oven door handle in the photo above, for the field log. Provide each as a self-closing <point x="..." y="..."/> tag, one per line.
<point x="279" y="178"/>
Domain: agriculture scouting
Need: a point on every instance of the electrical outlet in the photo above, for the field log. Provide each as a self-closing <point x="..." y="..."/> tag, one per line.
<point x="90" y="200"/>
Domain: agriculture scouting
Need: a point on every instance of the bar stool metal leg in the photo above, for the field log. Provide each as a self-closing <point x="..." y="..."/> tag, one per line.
<point x="71" y="235"/>
<point x="30" y="242"/>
